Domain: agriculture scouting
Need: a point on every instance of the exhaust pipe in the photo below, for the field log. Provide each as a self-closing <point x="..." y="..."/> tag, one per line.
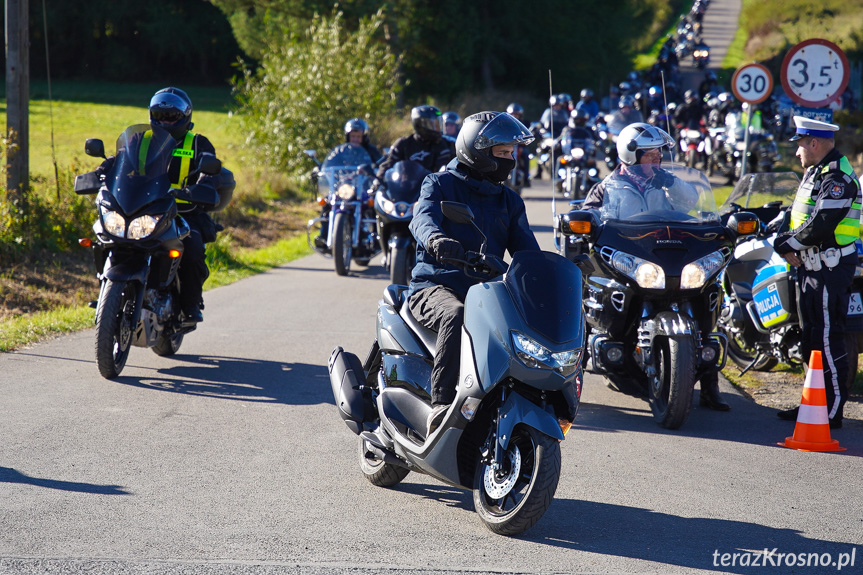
<point x="352" y="397"/>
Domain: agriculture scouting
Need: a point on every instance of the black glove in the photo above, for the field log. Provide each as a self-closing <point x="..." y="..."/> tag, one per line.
<point x="663" y="179"/>
<point x="447" y="248"/>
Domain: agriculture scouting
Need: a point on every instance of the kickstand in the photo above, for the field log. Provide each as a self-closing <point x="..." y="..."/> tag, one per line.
<point x="751" y="365"/>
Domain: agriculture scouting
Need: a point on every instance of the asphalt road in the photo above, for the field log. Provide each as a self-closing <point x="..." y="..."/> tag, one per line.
<point x="231" y="458"/>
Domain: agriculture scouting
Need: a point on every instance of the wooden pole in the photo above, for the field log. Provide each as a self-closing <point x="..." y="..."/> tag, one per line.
<point x="17" y="101"/>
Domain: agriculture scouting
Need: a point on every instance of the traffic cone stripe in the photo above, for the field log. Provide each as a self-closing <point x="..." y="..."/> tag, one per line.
<point x="812" y="431"/>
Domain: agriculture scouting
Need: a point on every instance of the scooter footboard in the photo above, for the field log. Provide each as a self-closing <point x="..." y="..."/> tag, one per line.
<point x="352" y="398"/>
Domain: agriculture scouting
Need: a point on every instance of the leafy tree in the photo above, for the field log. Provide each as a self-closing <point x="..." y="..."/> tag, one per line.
<point x="309" y="84"/>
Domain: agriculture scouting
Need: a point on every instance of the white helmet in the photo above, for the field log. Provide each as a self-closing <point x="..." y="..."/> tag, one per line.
<point x="640" y="136"/>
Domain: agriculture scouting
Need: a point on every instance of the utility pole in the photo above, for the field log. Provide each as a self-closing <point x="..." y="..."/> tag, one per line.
<point x="17" y="101"/>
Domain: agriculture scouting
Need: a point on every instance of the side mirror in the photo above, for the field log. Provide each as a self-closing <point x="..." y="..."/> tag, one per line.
<point x="209" y="164"/>
<point x="742" y="224"/>
<point x="459" y="213"/>
<point x="201" y="194"/>
<point x="311" y="153"/>
<point x="94" y="147"/>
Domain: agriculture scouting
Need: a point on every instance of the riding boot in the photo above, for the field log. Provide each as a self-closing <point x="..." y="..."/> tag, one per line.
<point x="710" y="396"/>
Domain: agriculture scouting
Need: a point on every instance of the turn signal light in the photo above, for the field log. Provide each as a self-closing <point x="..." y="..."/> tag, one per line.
<point x="579" y="227"/>
<point x="174" y="254"/>
<point x="322" y="201"/>
<point x="86" y="242"/>
<point x="564" y="426"/>
<point x="747" y="227"/>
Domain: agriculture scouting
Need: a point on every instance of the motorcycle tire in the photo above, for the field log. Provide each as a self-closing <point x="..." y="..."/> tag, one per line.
<point x="401" y="265"/>
<point x="670" y="391"/>
<point x="743" y="356"/>
<point x="691" y="158"/>
<point x="514" y="501"/>
<point x="342" y="243"/>
<point x="114" y="327"/>
<point x="376" y="471"/>
<point x="168" y="344"/>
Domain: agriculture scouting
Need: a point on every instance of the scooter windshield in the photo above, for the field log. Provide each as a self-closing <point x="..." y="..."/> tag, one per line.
<point x="341" y="167"/>
<point x="139" y="175"/>
<point x="649" y="193"/>
<point x="546" y="288"/>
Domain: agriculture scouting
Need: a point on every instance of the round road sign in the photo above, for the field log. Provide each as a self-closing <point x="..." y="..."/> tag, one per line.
<point x="815" y="72"/>
<point x="752" y="83"/>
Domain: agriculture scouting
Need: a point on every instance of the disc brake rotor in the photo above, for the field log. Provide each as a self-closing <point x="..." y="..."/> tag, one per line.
<point x="497" y="487"/>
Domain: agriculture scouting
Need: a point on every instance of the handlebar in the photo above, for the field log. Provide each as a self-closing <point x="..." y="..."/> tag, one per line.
<point x="479" y="266"/>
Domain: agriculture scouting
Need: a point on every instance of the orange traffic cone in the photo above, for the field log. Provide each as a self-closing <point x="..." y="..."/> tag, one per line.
<point x="812" y="431"/>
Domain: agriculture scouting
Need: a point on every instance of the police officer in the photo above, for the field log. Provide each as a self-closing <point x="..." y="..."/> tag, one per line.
<point x="425" y="146"/>
<point x="825" y="222"/>
<point x="437" y="288"/>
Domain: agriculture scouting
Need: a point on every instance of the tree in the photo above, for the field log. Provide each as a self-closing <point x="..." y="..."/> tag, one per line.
<point x="309" y="84"/>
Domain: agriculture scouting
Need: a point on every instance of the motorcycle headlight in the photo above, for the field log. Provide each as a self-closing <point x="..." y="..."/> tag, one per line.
<point x="696" y="274"/>
<point x="647" y="274"/>
<point x="577" y="153"/>
<point x="535" y="355"/>
<point x="142" y="227"/>
<point x="346" y="192"/>
<point x="114" y="223"/>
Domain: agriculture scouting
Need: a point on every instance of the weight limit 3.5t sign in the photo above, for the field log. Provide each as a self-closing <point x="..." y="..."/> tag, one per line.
<point x="815" y="72"/>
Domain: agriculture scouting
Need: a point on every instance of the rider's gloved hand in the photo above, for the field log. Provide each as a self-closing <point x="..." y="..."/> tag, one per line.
<point x="663" y="179"/>
<point x="445" y="248"/>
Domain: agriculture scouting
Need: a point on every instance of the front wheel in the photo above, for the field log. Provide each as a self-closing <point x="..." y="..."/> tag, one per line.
<point x="343" y="238"/>
<point x="114" y="326"/>
<point x="671" y="387"/>
<point x="511" y="500"/>
<point x="378" y="472"/>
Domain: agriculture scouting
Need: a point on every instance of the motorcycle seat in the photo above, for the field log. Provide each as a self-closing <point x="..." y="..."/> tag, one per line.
<point x="428" y="337"/>
<point x="394" y="294"/>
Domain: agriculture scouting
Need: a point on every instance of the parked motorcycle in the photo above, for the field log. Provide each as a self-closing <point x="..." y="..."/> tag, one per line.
<point x="518" y="391"/>
<point x="139" y="245"/>
<point x="346" y="230"/>
<point x="394" y="205"/>
<point x="651" y="292"/>
<point x="759" y="315"/>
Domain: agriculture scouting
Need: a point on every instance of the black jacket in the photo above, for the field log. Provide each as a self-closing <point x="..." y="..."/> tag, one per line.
<point x="432" y="156"/>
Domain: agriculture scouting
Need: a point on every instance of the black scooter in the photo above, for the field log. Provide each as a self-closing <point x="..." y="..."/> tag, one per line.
<point x="518" y="388"/>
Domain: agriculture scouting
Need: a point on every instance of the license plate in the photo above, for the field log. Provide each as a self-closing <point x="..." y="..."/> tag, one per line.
<point x="855" y="304"/>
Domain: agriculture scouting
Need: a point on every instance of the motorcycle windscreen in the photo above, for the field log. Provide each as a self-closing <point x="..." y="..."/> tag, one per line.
<point x="403" y="181"/>
<point x="546" y="289"/>
<point x="139" y="176"/>
<point x="341" y="169"/>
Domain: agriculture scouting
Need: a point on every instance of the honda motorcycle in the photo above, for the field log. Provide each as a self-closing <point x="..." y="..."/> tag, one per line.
<point x="394" y="205"/>
<point x="346" y="230"/>
<point x="759" y="315"/>
<point x="518" y="387"/>
<point x="651" y="292"/>
<point x="139" y="245"/>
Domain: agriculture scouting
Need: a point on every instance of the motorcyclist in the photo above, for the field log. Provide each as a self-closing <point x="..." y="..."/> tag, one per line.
<point x="625" y="115"/>
<point x="425" y="146"/>
<point x="689" y="114"/>
<point x="438" y="288"/>
<point x="609" y="103"/>
<point x="171" y="109"/>
<point x="709" y="84"/>
<point x="588" y="104"/>
<point x="357" y="134"/>
<point x="577" y="128"/>
<point x="451" y="125"/>
<point x="558" y="112"/>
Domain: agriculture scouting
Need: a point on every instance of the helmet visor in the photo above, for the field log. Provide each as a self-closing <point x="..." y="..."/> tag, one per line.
<point x="166" y="115"/>
<point x="169" y="108"/>
<point x="434" y="125"/>
<point x="502" y="129"/>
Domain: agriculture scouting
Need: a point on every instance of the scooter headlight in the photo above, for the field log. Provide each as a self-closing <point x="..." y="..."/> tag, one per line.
<point x="142" y="227"/>
<point x="114" y="223"/>
<point x="535" y="355"/>
<point x="696" y="274"/>
<point x="647" y="274"/>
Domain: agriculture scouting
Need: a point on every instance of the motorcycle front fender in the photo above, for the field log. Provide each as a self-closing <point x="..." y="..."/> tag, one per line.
<point x="671" y="324"/>
<point x="127" y="267"/>
<point x="517" y="410"/>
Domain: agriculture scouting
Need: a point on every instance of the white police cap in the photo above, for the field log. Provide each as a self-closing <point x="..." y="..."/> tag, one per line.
<point x="814" y="128"/>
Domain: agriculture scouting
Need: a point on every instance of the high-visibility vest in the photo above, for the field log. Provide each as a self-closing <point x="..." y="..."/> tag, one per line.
<point x="848" y="229"/>
<point x="184" y="152"/>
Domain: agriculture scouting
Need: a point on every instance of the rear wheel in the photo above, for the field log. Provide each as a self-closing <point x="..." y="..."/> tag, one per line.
<point x="168" y="344"/>
<point x="342" y="243"/>
<point x="114" y="326"/>
<point x="671" y="387"/>
<point x="511" y="500"/>
<point x="376" y="471"/>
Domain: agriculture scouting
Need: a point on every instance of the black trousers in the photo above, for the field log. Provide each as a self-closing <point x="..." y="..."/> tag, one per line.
<point x="823" y="306"/>
<point x="440" y="309"/>
<point x="193" y="267"/>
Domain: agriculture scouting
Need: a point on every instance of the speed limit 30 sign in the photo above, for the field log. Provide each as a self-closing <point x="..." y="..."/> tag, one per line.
<point x="752" y="83"/>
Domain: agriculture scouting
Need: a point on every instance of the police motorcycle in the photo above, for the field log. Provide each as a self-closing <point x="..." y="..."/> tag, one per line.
<point x="651" y="293"/>
<point x="518" y="389"/>
<point x="759" y="315"/>
<point x="139" y="244"/>
<point x="394" y="206"/>
<point x="346" y="230"/>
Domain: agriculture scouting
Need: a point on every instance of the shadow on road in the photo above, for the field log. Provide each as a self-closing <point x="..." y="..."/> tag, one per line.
<point x="241" y="379"/>
<point x="9" y="475"/>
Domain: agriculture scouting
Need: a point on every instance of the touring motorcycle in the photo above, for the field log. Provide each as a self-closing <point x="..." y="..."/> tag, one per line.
<point x="518" y="387"/>
<point x="346" y="230"/>
<point x="651" y="292"/>
<point x="394" y="205"/>
<point x="759" y="316"/>
<point x="138" y="246"/>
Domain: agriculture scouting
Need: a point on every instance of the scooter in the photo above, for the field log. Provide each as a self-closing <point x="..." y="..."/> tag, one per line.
<point x="518" y="388"/>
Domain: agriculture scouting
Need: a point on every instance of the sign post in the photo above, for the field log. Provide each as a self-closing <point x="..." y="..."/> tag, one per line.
<point x="751" y="83"/>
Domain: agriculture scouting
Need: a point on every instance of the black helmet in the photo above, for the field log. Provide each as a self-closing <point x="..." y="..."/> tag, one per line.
<point x="171" y="109"/>
<point x="355" y="124"/>
<point x="427" y="122"/>
<point x="514" y="109"/>
<point x="480" y="132"/>
<point x="586" y="94"/>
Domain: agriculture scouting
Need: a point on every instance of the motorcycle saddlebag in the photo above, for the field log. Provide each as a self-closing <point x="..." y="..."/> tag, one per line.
<point x="352" y="397"/>
<point x="774" y="297"/>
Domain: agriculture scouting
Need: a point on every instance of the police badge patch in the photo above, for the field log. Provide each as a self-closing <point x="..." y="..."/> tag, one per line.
<point x="837" y="191"/>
